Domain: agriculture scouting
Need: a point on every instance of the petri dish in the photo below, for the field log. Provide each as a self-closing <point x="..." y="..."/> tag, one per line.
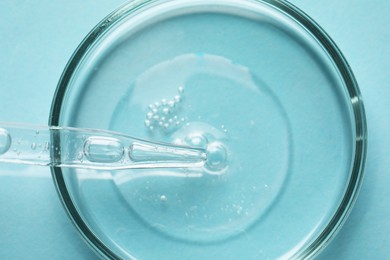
<point x="260" y="86"/>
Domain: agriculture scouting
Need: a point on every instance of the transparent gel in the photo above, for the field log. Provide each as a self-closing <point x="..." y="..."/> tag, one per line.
<point x="248" y="87"/>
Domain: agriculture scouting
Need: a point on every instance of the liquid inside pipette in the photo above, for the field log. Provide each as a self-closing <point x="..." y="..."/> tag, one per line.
<point x="91" y="149"/>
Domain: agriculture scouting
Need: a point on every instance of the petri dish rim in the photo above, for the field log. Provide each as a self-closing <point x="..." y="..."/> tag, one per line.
<point x="323" y="39"/>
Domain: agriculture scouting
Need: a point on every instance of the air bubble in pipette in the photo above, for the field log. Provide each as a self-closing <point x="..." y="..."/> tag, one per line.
<point x="5" y="141"/>
<point x="103" y="149"/>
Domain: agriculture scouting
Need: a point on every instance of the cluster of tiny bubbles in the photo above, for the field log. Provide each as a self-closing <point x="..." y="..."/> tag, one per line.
<point x="163" y="115"/>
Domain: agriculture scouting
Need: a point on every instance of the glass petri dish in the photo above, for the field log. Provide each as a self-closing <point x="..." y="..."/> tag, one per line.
<point x="257" y="84"/>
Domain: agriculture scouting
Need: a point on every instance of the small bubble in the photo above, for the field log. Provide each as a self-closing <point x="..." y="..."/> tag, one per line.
<point x="163" y="118"/>
<point x="163" y="198"/>
<point x="180" y="89"/>
<point x="170" y="120"/>
<point x="165" y="110"/>
<point x="151" y="128"/>
<point x="147" y="122"/>
<point x="177" y="98"/>
<point x="149" y="115"/>
<point x="177" y="123"/>
<point x="166" y="126"/>
<point x="164" y="101"/>
<point x="47" y="146"/>
<point x="156" y="117"/>
<point x="151" y="106"/>
<point x="155" y="110"/>
<point x="157" y="104"/>
<point x="171" y="103"/>
<point x="197" y="139"/>
<point x="175" y="117"/>
<point x="37" y="132"/>
<point x="33" y="146"/>
<point x="160" y="123"/>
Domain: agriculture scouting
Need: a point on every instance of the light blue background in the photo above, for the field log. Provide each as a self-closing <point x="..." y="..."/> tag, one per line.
<point x="38" y="37"/>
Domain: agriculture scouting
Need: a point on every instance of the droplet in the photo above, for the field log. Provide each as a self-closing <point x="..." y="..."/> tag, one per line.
<point x="216" y="157"/>
<point x="5" y="141"/>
